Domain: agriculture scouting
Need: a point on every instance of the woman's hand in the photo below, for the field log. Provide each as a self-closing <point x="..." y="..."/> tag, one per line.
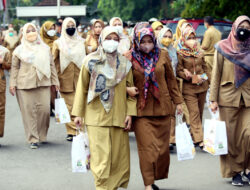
<point x="13" y="90"/>
<point x="78" y="121"/>
<point x="188" y="74"/>
<point x="132" y="91"/>
<point x="128" y="123"/>
<point x="179" y="109"/>
<point x="214" y="107"/>
<point x="200" y="80"/>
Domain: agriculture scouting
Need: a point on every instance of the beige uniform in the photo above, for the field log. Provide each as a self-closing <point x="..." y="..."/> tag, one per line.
<point x="33" y="96"/>
<point x="234" y="107"/>
<point x="109" y="143"/>
<point x="68" y="81"/>
<point x="211" y="37"/>
<point x="5" y="65"/>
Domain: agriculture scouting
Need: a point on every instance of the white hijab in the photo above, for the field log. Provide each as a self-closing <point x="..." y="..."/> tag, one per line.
<point x="72" y="48"/>
<point x="36" y="53"/>
<point x="124" y="44"/>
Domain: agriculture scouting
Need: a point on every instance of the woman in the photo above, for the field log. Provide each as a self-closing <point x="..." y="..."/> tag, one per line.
<point x="48" y="33"/>
<point x="157" y="86"/>
<point x="10" y="40"/>
<point x="91" y="42"/>
<point x="4" y="65"/>
<point x="101" y="92"/>
<point x="157" y="26"/>
<point x="193" y="70"/>
<point x="32" y="74"/>
<point x="68" y="52"/>
<point x="179" y="28"/>
<point x="124" y="44"/>
<point x="230" y="93"/>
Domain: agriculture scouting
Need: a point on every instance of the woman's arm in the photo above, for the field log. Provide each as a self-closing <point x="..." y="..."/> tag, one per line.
<point x="13" y="74"/>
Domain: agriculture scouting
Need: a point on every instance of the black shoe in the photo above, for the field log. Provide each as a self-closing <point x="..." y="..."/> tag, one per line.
<point x="171" y="147"/>
<point x="69" y="138"/>
<point x="246" y="177"/>
<point x="155" y="187"/>
<point x="33" y="145"/>
<point x="237" y="180"/>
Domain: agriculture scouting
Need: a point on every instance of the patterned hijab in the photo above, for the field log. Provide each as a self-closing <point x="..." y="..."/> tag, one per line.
<point x="183" y="49"/>
<point x="36" y="53"/>
<point x="146" y="63"/>
<point x="106" y="71"/>
<point x="237" y="52"/>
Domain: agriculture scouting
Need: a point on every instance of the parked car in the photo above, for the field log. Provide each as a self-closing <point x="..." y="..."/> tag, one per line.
<point x="223" y="25"/>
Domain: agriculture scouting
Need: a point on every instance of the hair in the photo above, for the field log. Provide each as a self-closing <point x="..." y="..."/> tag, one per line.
<point x="209" y="20"/>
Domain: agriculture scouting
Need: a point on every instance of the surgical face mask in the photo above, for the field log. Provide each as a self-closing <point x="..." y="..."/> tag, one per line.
<point x="166" y="41"/>
<point x="242" y="34"/>
<point x="147" y="48"/>
<point x="31" y="36"/>
<point x="119" y="29"/>
<point x="79" y="29"/>
<point x="110" y="46"/>
<point x="70" y="31"/>
<point x="11" y="34"/>
<point x="51" y="33"/>
<point x="192" y="43"/>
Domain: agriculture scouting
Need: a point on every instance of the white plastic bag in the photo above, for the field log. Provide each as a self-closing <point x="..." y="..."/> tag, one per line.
<point x="80" y="153"/>
<point x="61" y="111"/>
<point x="184" y="144"/>
<point x="215" y="137"/>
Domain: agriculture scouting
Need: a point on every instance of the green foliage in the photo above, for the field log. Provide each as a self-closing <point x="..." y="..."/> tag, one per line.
<point x="17" y="23"/>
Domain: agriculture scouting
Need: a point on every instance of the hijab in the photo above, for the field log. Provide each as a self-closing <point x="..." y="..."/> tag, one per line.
<point x="146" y="63"/>
<point x="124" y="44"/>
<point x="178" y="29"/>
<point x="237" y="52"/>
<point x="71" y="48"/>
<point x="171" y="50"/>
<point x="36" y="53"/>
<point x="11" y="40"/>
<point x="106" y="71"/>
<point x="49" y="40"/>
<point x="183" y="49"/>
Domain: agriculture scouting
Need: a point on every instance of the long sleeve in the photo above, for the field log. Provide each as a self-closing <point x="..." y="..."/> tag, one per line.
<point x="14" y="71"/>
<point x="216" y="77"/>
<point x="180" y="68"/>
<point x="7" y="61"/>
<point x="172" y="85"/>
<point x="80" y="100"/>
<point x="55" y="53"/>
<point x="205" y="68"/>
<point x="54" y="77"/>
<point x="206" y="42"/>
<point x="131" y="102"/>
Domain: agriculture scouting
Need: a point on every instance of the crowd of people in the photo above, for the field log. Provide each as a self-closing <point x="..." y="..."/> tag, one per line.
<point x="116" y="80"/>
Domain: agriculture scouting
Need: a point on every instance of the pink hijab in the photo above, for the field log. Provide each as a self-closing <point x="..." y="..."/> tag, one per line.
<point x="237" y="52"/>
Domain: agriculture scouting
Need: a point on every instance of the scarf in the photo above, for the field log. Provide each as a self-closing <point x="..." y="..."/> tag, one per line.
<point x="71" y="48"/>
<point x="106" y="71"/>
<point x="45" y="37"/>
<point x="183" y="49"/>
<point x="11" y="40"/>
<point x="237" y="52"/>
<point x="145" y="63"/>
<point x="171" y="50"/>
<point x="36" y="53"/>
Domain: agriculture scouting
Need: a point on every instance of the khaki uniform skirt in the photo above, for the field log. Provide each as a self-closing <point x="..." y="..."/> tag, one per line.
<point x="35" y="109"/>
<point x="152" y="137"/>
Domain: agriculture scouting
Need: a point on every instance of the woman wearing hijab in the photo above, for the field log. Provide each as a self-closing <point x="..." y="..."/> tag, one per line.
<point x="157" y="26"/>
<point x="193" y="70"/>
<point x="157" y="86"/>
<point x="102" y="101"/>
<point x="179" y="28"/>
<point x="48" y="33"/>
<point x="91" y="42"/>
<point x="10" y="40"/>
<point x="68" y="52"/>
<point x="230" y="92"/>
<point x="5" y="60"/>
<point x="32" y="74"/>
<point x="124" y="44"/>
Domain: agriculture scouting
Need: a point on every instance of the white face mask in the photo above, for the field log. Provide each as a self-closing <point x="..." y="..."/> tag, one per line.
<point x="110" y="46"/>
<point x="79" y="29"/>
<point x="51" y="33"/>
<point x="119" y="29"/>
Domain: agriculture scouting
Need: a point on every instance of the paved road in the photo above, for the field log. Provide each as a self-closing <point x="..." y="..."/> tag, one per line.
<point x="49" y="167"/>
